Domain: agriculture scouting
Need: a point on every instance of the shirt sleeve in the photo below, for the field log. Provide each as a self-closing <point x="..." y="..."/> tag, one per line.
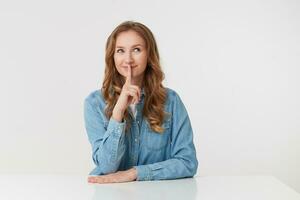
<point x="108" y="144"/>
<point x="183" y="162"/>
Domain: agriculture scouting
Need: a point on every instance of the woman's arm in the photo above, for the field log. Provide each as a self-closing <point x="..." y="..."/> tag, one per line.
<point x="183" y="161"/>
<point x="108" y="145"/>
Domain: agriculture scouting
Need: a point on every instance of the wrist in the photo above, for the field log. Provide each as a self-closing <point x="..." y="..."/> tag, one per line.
<point x="133" y="173"/>
<point x="117" y="115"/>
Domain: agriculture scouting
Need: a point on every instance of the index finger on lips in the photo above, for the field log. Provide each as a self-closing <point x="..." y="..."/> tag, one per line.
<point x="128" y="77"/>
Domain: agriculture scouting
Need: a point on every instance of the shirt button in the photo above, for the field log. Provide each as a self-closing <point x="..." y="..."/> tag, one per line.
<point x="135" y="140"/>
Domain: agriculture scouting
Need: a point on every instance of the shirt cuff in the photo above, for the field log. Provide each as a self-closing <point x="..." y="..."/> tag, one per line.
<point x="143" y="173"/>
<point x="116" y="128"/>
<point x="147" y="172"/>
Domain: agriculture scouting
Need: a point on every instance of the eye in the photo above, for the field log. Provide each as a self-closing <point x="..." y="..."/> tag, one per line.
<point x="120" y="51"/>
<point x="136" y="49"/>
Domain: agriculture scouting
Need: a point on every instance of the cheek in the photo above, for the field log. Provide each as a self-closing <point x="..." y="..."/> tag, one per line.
<point x="116" y="60"/>
<point x="118" y="64"/>
<point x="121" y="71"/>
<point x="142" y="59"/>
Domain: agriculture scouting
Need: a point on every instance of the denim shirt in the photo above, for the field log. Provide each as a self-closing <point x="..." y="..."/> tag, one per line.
<point x="155" y="156"/>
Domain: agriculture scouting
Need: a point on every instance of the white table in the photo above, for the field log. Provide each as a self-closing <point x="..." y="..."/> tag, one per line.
<point x="55" y="187"/>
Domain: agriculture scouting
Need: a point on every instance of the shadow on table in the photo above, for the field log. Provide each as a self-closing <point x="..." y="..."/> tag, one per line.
<point x="169" y="189"/>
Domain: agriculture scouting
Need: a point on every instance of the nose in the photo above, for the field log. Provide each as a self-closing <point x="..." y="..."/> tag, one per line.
<point x="128" y="58"/>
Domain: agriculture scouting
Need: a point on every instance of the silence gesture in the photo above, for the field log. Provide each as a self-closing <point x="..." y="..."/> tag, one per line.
<point x="130" y="94"/>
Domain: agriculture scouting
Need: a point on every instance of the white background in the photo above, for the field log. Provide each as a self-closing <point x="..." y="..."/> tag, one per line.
<point x="235" y="65"/>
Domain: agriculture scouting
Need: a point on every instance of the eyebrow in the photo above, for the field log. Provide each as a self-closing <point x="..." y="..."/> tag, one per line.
<point x="132" y="46"/>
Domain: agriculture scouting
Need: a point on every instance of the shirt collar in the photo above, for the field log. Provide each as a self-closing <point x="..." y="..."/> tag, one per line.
<point x="142" y="92"/>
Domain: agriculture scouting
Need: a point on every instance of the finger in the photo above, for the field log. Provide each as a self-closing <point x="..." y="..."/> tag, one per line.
<point x="110" y="178"/>
<point x="98" y="179"/>
<point x="128" y="78"/>
<point x="133" y="97"/>
<point x="137" y="88"/>
<point x="134" y="93"/>
<point x="92" y="180"/>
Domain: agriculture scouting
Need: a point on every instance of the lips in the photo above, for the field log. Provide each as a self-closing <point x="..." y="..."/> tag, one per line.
<point x="131" y="67"/>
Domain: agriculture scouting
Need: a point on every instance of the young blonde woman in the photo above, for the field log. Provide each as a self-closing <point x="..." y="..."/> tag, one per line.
<point x="138" y="129"/>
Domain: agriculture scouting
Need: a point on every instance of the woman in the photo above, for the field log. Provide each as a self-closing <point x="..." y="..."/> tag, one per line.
<point x="138" y="129"/>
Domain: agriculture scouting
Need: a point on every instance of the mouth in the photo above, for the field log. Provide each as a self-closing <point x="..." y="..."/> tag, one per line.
<point x="131" y="66"/>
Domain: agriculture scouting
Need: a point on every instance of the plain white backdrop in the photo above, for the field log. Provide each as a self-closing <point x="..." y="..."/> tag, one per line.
<point x="235" y="65"/>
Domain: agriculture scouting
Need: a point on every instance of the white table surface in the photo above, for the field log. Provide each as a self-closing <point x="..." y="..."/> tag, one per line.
<point x="75" y="187"/>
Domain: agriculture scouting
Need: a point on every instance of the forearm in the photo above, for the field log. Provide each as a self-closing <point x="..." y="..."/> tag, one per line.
<point x="108" y="153"/>
<point x="118" y="114"/>
<point x="169" y="169"/>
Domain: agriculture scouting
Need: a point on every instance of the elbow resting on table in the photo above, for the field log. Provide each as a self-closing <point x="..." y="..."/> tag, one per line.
<point x="193" y="167"/>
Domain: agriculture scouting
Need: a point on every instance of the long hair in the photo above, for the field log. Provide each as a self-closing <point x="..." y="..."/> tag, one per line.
<point x="155" y="93"/>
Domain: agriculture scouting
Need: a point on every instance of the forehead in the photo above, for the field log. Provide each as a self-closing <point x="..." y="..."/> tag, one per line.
<point x="129" y="38"/>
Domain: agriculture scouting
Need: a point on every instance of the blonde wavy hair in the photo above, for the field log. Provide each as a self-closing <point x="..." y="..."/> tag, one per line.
<point x="155" y="92"/>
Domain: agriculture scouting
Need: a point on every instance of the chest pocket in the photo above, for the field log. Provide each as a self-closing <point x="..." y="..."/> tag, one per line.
<point x="157" y="141"/>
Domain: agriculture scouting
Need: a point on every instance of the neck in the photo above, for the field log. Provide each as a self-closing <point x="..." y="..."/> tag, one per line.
<point x="137" y="82"/>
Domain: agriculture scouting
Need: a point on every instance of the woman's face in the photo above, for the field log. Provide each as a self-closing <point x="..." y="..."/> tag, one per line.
<point x="130" y="50"/>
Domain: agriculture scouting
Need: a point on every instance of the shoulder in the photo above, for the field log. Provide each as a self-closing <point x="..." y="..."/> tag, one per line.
<point x="95" y="99"/>
<point x="172" y="95"/>
<point x="174" y="101"/>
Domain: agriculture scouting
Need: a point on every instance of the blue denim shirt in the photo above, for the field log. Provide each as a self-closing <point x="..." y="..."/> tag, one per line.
<point x="155" y="156"/>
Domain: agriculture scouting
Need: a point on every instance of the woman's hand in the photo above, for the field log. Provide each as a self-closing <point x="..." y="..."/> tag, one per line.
<point x="118" y="177"/>
<point x="129" y="94"/>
